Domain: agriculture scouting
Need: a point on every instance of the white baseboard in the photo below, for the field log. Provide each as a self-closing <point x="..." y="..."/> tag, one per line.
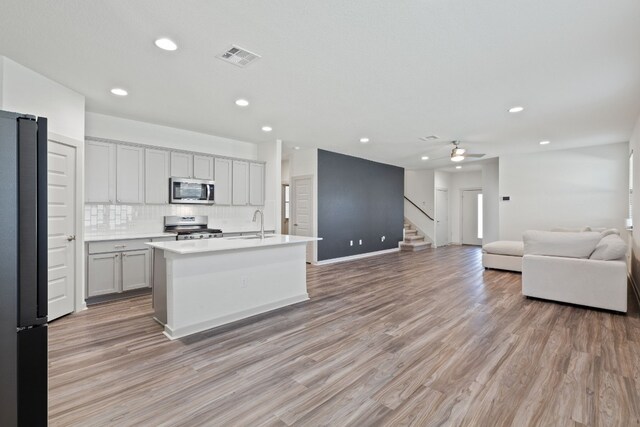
<point x="173" y="334"/>
<point x="354" y="257"/>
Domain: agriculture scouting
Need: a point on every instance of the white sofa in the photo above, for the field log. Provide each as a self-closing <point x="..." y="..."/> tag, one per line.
<point x="586" y="268"/>
<point x="503" y="255"/>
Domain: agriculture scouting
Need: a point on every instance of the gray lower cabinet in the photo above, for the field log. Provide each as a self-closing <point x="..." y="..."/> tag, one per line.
<point x="103" y="274"/>
<point x="117" y="266"/>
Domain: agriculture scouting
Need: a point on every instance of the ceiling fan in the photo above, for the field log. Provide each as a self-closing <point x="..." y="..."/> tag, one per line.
<point x="459" y="154"/>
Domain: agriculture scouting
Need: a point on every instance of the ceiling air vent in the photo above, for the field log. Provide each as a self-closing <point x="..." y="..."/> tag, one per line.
<point x="429" y="138"/>
<point x="238" y="56"/>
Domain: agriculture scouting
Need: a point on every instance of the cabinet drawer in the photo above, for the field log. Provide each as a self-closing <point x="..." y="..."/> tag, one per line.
<point x="118" y="246"/>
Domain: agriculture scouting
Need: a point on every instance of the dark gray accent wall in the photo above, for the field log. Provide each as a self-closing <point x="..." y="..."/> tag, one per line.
<point x="358" y="200"/>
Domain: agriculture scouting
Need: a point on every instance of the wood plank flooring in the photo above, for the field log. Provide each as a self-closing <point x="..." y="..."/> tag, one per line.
<point x="413" y="338"/>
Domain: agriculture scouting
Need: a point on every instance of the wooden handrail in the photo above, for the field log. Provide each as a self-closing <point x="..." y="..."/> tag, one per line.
<point x="418" y="207"/>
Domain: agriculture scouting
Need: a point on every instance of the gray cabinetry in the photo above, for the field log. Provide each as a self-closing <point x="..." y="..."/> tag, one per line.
<point x="182" y="165"/>
<point x="156" y="176"/>
<point x="203" y="167"/>
<point x="117" y="266"/>
<point x="256" y="184"/>
<point x="223" y="181"/>
<point x="130" y="174"/>
<point x="240" y="184"/>
<point x="100" y="176"/>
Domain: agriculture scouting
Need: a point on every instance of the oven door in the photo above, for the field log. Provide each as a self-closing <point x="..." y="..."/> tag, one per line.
<point x="191" y="191"/>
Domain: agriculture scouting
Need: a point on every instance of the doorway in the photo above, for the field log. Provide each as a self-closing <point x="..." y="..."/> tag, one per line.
<point x="442" y="217"/>
<point x="302" y="210"/>
<point x="61" y="192"/>
<point x="471" y="217"/>
<point x="286" y="208"/>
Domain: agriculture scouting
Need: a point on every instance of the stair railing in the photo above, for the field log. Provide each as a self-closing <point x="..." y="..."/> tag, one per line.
<point x="418" y="207"/>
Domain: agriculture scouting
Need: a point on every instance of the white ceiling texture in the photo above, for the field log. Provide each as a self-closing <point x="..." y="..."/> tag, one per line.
<point x="334" y="71"/>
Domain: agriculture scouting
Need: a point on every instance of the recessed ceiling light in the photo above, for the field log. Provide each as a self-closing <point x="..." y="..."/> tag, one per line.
<point x="545" y="142"/>
<point x="296" y="148"/>
<point x="166" y="44"/>
<point x="458" y="167"/>
<point x="516" y="109"/>
<point x="364" y="140"/>
<point x="119" y="91"/>
<point x="267" y="128"/>
<point x="242" y="102"/>
<point x="425" y="157"/>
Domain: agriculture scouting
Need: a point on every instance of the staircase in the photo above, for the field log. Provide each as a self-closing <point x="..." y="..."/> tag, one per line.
<point x="413" y="241"/>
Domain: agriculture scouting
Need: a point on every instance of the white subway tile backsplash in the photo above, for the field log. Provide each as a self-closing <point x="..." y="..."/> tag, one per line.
<point x="149" y="218"/>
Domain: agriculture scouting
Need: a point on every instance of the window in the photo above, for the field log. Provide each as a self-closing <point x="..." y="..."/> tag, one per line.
<point x="480" y="216"/>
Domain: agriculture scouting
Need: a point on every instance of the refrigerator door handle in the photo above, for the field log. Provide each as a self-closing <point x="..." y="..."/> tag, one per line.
<point x="42" y="208"/>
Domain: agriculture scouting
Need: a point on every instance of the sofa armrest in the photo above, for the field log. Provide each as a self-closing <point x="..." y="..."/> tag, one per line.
<point x="580" y="281"/>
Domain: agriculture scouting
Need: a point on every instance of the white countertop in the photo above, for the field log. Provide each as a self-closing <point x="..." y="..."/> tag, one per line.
<point x="183" y="247"/>
<point x="101" y="237"/>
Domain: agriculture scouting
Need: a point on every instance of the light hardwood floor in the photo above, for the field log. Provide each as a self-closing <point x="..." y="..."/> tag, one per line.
<point x="421" y="338"/>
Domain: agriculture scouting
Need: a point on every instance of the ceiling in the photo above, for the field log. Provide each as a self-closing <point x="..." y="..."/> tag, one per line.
<point x="334" y="71"/>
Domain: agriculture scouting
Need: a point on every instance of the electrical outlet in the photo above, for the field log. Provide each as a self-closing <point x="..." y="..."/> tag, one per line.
<point x="244" y="281"/>
<point x="350" y="242"/>
<point x="360" y="242"/>
<point x="382" y="238"/>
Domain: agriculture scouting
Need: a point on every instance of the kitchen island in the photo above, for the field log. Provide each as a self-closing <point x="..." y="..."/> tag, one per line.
<point x="202" y="284"/>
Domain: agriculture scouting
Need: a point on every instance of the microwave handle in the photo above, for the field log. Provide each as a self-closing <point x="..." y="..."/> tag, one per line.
<point x="208" y="192"/>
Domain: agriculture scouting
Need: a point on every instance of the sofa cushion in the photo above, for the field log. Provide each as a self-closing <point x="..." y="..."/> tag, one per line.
<point x="504" y="247"/>
<point x="570" y="230"/>
<point x="609" y="231"/>
<point x="562" y="244"/>
<point x="610" y="248"/>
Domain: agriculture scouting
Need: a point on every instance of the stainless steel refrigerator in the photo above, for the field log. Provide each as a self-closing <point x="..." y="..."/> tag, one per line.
<point x="23" y="270"/>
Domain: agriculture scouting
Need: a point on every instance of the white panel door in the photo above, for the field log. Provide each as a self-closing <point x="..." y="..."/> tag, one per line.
<point x="469" y="212"/>
<point x="156" y="176"/>
<point x="129" y="174"/>
<point x="256" y="184"/>
<point x="203" y="167"/>
<point x="302" y="210"/>
<point x="240" y="183"/>
<point x="135" y="270"/>
<point x="100" y="172"/>
<point x="222" y="187"/>
<point x="182" y="165"/>
<point x="442" y="217"/>
<point x="61" y="188"/>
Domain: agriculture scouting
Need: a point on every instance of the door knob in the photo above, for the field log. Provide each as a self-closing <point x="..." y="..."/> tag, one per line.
<point x="70" y="238"/>
<point x="295" y="225"/>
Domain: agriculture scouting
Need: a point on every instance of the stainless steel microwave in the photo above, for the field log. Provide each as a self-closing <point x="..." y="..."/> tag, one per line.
<point x="192" y="191"/>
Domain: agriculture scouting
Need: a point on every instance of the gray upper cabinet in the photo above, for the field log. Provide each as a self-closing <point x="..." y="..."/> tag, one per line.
<point x="203" y="167"/>
<point x="223" y="181"/>
<point x="156" y="176"/>
<point x="100" y="176"/>
<point x="256" y="184"/>
<point x="130" y="174"/>
<point x="240" y="186"/>
<point x="182" y="165"/>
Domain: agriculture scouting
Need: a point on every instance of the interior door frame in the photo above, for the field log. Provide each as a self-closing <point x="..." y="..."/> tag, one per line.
<point x="292" y="210"/>
<point x="462" y="190"/>
<point x="435" y="209"/>
<point x="79" y="303"/>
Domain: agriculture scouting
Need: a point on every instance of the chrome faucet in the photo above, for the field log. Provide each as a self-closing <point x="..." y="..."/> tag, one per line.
<point x="255" y="216"/>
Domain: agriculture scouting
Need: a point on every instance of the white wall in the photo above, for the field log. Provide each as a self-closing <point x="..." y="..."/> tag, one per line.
<point x="460" y="181"/>
<point x="286" y="174"/>
<point x="442" y="180"/>
<point x="419" y="188"/>
<point x="490" y="201"/>
<point x="271" y="153"/>
<point x="25" y="91"/>
<point x="304" y="162"/>
<point x="634" y="145"/>
<point x="109" y="127"/>
<point x="564" y="188"/>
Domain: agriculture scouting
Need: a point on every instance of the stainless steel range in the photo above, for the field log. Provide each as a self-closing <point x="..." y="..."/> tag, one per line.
<point x="190" y="227"/>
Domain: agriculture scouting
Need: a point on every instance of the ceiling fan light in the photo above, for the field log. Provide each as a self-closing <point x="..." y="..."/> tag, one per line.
<point x="458" y="151"/>
<point x="457" y="158"/>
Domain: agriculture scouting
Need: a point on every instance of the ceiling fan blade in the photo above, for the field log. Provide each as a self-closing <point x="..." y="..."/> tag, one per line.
<point x="475" y="155"/>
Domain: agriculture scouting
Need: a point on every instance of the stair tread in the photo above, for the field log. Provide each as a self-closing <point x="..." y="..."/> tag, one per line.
<point x="412" y="238"/>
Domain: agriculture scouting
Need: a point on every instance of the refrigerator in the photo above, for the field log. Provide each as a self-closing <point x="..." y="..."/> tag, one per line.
<point x="23" y="270"/>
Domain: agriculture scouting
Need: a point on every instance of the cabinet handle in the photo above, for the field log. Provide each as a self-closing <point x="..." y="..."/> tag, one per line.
<point x="70" y="238"/>
<point x="116" y="255"/>
<point x="119" y="246"/>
